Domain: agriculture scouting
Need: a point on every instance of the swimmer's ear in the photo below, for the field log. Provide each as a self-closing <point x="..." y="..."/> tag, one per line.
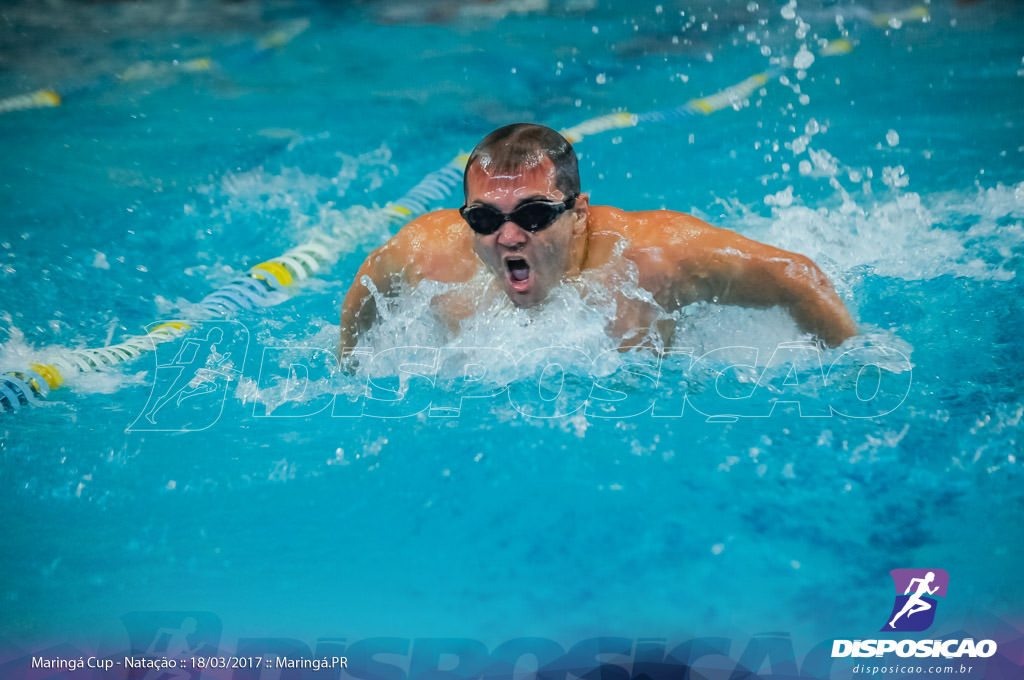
<point x="581" y="208"/>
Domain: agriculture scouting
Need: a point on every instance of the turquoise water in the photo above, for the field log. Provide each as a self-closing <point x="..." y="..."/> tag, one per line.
<point x="897" y="167"/>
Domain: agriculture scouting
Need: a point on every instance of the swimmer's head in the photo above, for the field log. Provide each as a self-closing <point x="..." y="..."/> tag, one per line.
<point x="521" y="146"/>
<point x="528" y="218"/>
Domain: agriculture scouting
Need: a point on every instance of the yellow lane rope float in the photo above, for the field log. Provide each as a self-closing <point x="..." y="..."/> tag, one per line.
<point x="34" y="100"/>
<point x="896" y="19"/>
<point x="150" y="69"/>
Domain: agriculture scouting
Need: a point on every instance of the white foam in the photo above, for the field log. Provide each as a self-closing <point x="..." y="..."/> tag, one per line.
<point x="303" y="196"/>
<point x="901" y="235"/>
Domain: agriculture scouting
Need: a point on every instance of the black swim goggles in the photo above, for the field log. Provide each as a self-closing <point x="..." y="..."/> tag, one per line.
<point x="532" y="216"/>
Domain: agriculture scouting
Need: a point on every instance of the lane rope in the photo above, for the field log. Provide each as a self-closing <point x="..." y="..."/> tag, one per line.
<point x="269" y="283"/>
<point x="273" y="281"/>
<point x="144" y="70"/>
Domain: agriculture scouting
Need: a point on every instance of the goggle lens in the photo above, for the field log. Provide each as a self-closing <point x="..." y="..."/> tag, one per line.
<point x="533" y="216"/>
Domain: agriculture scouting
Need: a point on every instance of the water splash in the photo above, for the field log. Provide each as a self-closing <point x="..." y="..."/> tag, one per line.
<point x="973" y="233"/>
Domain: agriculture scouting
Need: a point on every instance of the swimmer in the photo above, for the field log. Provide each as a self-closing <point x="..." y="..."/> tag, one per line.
<point x="526" y="224"/>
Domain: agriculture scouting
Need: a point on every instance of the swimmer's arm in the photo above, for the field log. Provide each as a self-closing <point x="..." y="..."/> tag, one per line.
<point x="722" y="266"/>
<point x="359" y="309"/>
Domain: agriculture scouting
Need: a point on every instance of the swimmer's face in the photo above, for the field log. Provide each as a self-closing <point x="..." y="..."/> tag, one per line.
<point x="527" y="264"/>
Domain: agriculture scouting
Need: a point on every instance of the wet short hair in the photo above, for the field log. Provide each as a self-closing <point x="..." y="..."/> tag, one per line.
<point x="524" y="145"/>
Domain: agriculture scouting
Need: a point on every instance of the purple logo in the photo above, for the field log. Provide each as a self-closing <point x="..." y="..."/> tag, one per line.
<point x="915" y="605"/>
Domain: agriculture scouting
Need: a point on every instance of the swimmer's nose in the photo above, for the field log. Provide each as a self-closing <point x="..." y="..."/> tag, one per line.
<point x="511" y="234"/>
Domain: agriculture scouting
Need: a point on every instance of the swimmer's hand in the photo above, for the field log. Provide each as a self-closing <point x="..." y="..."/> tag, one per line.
<point x="349" y="359"/>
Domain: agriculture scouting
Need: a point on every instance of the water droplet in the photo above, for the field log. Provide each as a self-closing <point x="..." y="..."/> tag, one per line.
<point x="803" y="59"/>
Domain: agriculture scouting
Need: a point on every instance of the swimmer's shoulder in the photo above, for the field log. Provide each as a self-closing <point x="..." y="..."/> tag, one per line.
<point x="645" y="225"/>
<point x="437" y="246"/>
<point x="649" y="229"/>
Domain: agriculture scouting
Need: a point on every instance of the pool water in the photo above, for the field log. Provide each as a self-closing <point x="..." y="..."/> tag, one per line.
<point x="898" y="167"/>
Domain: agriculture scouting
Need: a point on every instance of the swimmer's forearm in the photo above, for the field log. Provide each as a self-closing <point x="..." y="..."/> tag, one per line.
<point x="359" y="309"/>
<point x="794" y="282"/>
<point x="727" y="268"/>
<point x="347" y="341"/>
<point x="349" y="335"/>
<point x="358" y="313"/>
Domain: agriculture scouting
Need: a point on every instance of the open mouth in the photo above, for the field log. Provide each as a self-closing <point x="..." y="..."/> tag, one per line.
<point x="518" y="272"/>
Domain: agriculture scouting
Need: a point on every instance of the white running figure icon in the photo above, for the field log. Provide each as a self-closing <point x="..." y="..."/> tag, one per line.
<point x="914" y="603"/>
